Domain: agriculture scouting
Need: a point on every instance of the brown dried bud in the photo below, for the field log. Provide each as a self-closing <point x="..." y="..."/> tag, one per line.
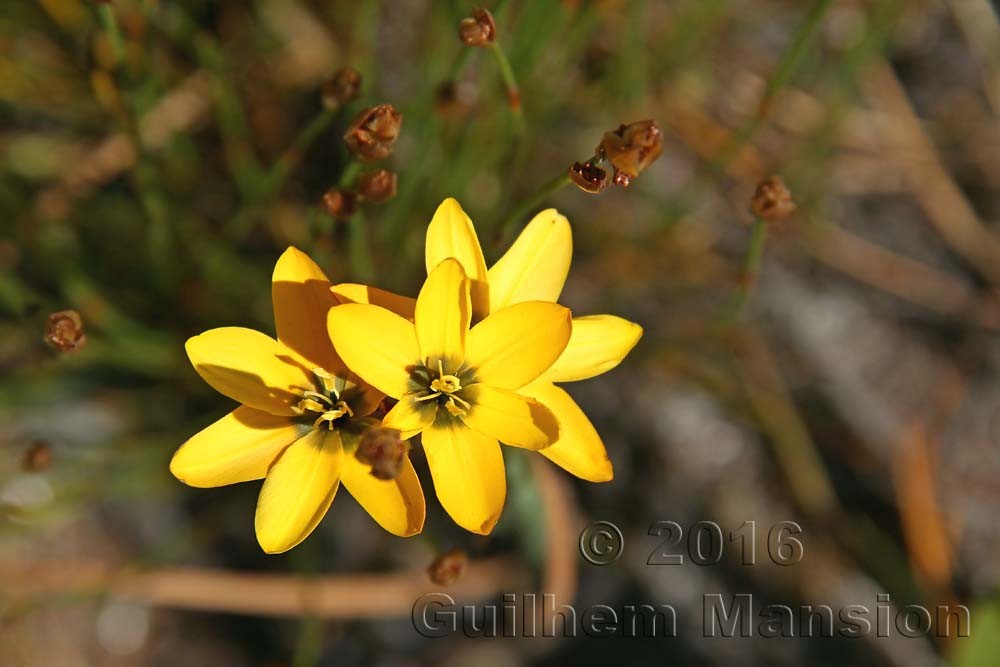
<point x="633" y="147"/>
<point x="340" y="204"/>
<point x="342" y="88"/>
<point x="383" y="450"/>
<point x="376" y="186"/>
<point x="588" y="177"/>
<point x="772" y="200"/>
<point x="479" y="29"/>
<point x="372" y="133"/>
<point x="448" y="568"/>
<point x="38" y="457"/>
<point x="64" y="331"/>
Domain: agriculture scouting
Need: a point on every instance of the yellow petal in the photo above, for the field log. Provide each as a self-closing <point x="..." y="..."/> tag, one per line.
<point x="468" y="472"/>
<point x="298" y="490"/>
<point x="355" y="293"/>
<point x="451" y="234"/>
<point x="410" y="416"/>
<point x="249" y="367"/>
<point x="376" y="344"/>
<point x="536" y="265"/>
<point x="598" y="344"/>
<point x="509" y="417"/>
<point x="443" y="315"/>
<point x="301" y="296"/>
<point x="237" y="448"/>
<point x="579" y="449"/>
<point x="397" y="505"/>
<point x="513" y="346"/>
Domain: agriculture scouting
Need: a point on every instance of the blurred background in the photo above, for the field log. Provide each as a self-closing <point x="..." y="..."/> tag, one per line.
<point x="837" y="368"/>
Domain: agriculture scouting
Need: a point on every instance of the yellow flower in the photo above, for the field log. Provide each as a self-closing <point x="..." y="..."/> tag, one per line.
<point x="299" y="422"/>
<point x="535" y="268"/>
<point x="456" y="385"/>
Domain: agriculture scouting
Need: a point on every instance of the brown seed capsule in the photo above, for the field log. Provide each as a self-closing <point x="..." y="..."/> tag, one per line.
<point x="340" y="204"/>
<point x="342" y="88"/>
<point x="588" y="177"/>
<point x="633" y="147"/>
<point x="376" y="186"/>
<point x="448" y="568"/>
<point x="372" y="133"/>
<point x="479" y="29"/>
<point x="772" y="200"/>
<point x="383" y="450"/>
<point x="64" y="331"/>
<point x="38" y="457"/>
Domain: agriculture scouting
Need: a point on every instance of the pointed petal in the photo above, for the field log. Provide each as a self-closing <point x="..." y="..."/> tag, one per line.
<point x="443" y="314"/>
<point x="300" y="293"/>
<point x="598" y="344"/>
<point x="536" y="265"/>
<point x="377" y="344"/>
<point x="298" y="490"/>
<point x="451" y="234"/>
<point x="237" y="448"/>
<point x="513" y="346"/>
<point x="410" y="416"/>
<point x="468" y="472"/>
<point x="579" y="449"/>
<point x="355" y="293"/>
<point x="249" y="367"/>
<point x="397" y="504"/>
<point x="509" y="417"/>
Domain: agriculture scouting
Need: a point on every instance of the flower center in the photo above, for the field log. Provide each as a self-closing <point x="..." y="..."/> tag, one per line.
<point x="325" y="403"/>
<point x="446" y="386"/>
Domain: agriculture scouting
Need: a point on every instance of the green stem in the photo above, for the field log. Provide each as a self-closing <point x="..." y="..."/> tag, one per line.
<point x="532" y="202"/>
<point x="349" y="173"/>
<point x="755" y="254"/>
<point x="110" y="24"/>
<point x="510" y="83"/>
<point x="282" y="169"/>
<point x="789" y="62"/>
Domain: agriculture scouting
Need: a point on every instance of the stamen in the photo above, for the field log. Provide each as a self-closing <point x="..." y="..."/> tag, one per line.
<point x="453" y="409"/>
<point x="429" y="396"/>
<point x="327" y="381"/>
<point x="318" y="396"/>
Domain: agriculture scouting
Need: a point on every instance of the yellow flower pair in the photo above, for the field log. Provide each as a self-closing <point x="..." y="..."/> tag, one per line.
<point x="471" y="362"/>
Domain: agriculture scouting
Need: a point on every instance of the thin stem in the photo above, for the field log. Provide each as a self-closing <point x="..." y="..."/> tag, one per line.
<point x="282" y="169"/>
<point x="789" y="62"/>
<point x="510" y="82"/>
<point x="755" y="254"/>
<point x="532" y="202"/>
<point x="349" y="173"/>
<point x="110" y="24"/>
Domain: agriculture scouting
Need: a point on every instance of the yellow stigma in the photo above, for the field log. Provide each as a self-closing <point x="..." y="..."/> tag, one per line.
<point x="447" y="385"/>
<point x="330" y="416"/>
<point x="325" y="402"/>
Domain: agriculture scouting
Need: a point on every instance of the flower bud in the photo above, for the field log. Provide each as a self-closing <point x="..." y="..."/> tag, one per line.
<point x="376" y="186"/>
<point x="342" y="88"/>
<point x="372" y="133"/>
<point x="772" y="200"/>
<point x="479" y="29"/>
<point x="631" y="148"/>
<point x="448" y="568"/>
<point x="588" y="177"/>
<point x="339" y="204"/>
<point x="64" y="331"/>
<point x="38" y="457"/>
<point x="383" y="450"/>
